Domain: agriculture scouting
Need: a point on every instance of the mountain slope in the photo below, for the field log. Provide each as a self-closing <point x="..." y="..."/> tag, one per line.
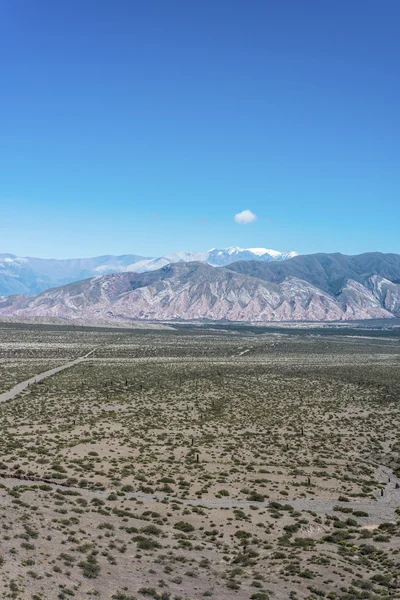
<point x="27" y="275"/>
<point x="329" y="272"/>
<point x="196" y="290"/>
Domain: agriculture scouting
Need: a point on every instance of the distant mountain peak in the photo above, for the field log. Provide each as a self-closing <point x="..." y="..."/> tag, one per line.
<point x="225" y="256"/>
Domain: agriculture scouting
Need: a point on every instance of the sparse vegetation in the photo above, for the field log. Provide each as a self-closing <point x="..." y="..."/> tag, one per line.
<point x="172" y="461"/>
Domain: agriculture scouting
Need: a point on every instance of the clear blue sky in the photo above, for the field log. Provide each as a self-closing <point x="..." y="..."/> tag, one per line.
<point x="145" y="126"/>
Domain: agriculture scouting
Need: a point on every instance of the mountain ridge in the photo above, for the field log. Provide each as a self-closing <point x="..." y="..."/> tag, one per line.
<point x="319" y="287"/>
<point x="321" y="268"/>
<point x="30" y="275"/>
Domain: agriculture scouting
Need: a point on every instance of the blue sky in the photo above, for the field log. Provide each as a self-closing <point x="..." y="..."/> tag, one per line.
<point x="144" y="127"/>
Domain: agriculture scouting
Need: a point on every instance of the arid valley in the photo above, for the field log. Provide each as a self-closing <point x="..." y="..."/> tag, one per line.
<point x="199" y="461"/>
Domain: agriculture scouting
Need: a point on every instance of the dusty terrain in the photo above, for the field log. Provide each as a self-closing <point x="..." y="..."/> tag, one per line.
<point x="199" y="462"/>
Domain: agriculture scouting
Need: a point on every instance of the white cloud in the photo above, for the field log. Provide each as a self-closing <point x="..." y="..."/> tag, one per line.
<point x="245" y="217"/>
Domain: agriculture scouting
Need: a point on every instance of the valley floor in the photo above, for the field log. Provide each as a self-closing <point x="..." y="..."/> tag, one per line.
<point x="199" y="462"/>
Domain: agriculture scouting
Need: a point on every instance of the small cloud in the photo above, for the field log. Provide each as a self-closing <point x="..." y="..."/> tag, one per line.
<point x="245" y="217"/>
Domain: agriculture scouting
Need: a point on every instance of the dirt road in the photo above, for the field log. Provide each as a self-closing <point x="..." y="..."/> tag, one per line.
<point x="20" y="387"/>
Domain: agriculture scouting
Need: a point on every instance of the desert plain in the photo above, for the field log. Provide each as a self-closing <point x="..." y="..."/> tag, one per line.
<point x="199" y="461"/>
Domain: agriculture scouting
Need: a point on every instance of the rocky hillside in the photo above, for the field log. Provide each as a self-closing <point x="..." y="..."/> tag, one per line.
<point x="321" y="287"/>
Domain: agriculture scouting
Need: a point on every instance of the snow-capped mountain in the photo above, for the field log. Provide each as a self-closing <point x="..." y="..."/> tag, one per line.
<point x="213" y="257"/>
<point x="153" y="264"/>
<point x="27" y="275"/>
<point x="320" y="287"/>
<point x="234" y="253"/>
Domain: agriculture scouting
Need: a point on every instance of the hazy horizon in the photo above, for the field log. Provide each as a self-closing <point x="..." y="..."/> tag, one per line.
<point x="133" y="253"/>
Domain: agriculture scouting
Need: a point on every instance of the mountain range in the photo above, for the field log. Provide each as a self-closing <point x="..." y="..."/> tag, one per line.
<point x="27" y="275"/>
<point x="317" y="287"/>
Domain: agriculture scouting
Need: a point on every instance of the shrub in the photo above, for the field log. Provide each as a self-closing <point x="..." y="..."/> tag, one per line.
<point x="184" y="526"/>
<point x="90" y="567"/>
<point x="145" y="543"/>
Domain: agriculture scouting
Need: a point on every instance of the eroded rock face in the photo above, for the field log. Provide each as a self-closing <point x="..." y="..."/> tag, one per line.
<point x="240" y="292"/>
